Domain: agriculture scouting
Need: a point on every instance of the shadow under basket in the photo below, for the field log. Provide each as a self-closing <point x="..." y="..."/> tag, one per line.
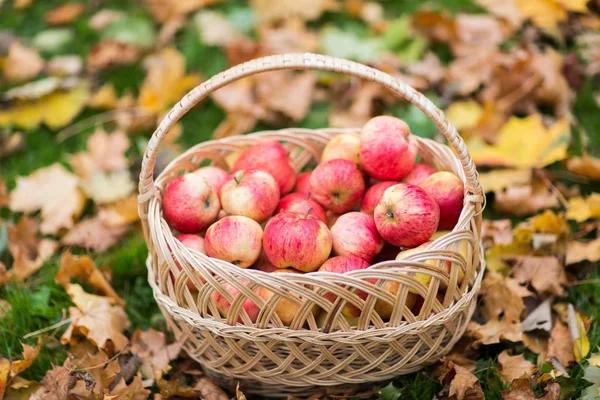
<point x="319" y="350"/>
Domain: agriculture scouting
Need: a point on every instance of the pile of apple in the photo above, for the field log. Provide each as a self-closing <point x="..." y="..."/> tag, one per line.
<point x="366" y="201"/>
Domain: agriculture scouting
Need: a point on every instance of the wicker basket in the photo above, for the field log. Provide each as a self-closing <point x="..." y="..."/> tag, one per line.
<point x="310" y="355"/>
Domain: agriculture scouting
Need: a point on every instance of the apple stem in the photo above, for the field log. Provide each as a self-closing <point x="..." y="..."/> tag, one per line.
<point x="236" y="180"/>
<point x="308" y="212"/>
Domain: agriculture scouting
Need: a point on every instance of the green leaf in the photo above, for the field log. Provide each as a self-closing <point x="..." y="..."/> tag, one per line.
<point x="134" y="31"/>
<point x="335" y="42"/>
<point x="390" y="392"/>
<point x="592" y="375"/>
<point x="400" y="39"/>
<point x="53" y="40"/>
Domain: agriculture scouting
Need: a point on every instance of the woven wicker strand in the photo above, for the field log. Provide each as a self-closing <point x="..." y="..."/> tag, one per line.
<point x="308" y="354"/>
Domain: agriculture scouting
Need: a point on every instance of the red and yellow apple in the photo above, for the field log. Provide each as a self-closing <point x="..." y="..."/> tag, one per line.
<point x="418" y="174"/>
<point x="344" y="146"/>
<point x="224" y="306"/>
<point x="236" y="239"/>
<point x="355" y="234"/>
<point x="252" y="193"/>
<point x="214" y="175"/>
<point x="337" y="185"/>
<point x="303" y="183"/>
<point x="301" y="204"/>
<point x="190" y="204"/>
<point x="194" y="242"/>
<point x="373" y="195"/>
<point x="448" y="192"/>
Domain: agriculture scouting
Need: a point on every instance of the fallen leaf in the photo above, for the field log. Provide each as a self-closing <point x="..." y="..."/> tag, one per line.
<point x="12" y="143"/>
<point x="594" y="360"/>
<point x="4" y="198"/>
<point x="84" y="269"/>
<point x="500" y="179"/>
<point x="537" y="343"/>
<point x="585" y="165"/>
<point x="592" y="375"/>
<point x="22" y="63"/>
<point x="122" y="212"/>
<point x="56" y="109"/>
<point x="539" y="318"/>
<point x="521" y="389"/>
<point x="514" y="367"/>
<point x="525" y="199"/>
<point x="209" y="390"/>
<point x="175" y="388"/>
<point x="540" y="147"/>
<point x="545" y="273"/>
<point x="344" y="44"/>
<point x="502" y="296"/>
<point x="581" y="209"/>
<point x="108" y="187"/>
<point x="22" y="4"/>
<point x="54" y="191"/>
<point x="547" y="14"/>
<point x="55" y="384"/>
<point x="134" y="391"/>
<point x="269" y="11"/>
<point x="105" y="152"/>
<point x="105" y="97"/>
<point x="581" y="251"/>
<point x="4" y="372"/>
<point x="103" y="18"/>
<point x="94" y="234"/>
<point x="464" y="114"/>
<point x="295" y="97"/>
<point x="215" y="29"/>
<point x="560" y="345"/>
<point x="30" y="353"/>
<point x="495" y="330"/>
<point x="5" y="308"/>
<point x="165" y="10"/>
<point x="465" y="385"/>
<point x="165" y="69"/>
<point x="151" y="347"/>
<point x="496" y="232"/>
<point x="64" y="14"/>
<point x="65" y="66"/>
<point x="578" y="331"/>
<point x="360" y="110"/>
<point x="28" y="249"/>
<point x="506" y="10"/>
<point x="97" y="318"/>
<point x="107" y="53"/>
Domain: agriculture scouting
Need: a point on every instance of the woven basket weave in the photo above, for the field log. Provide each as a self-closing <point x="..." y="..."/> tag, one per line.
<point x="302" y="358"/>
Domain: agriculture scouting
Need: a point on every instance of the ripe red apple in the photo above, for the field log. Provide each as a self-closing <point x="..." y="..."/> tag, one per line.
<point x="263" y="264"/>
<point x="337" y="185"/>
<point x="387" y="149"/>
<point x="418" y="174"/>
<point x="373" y="195"/>
<point x="214" y="175"/>
<point x="252" y="193"/>
<point x="303" y="183"/>
<point x="297" y="241"/>
<point x="448" y="192"/>
<point x="355" y="234"/>
<point x="286" y="309"/>
<point x="272" y="157"/>
<point x="236" y="239"/>
<point x="301" y="204"/>
<point x="344" y="146"/>
<point x="331" y="218"/>
<point x="224" y="306"/>
<point x="190" y="204"/>
<point x="341" y="265"/>
<point x="406" y="216"/>
<point x="194" y="242"/>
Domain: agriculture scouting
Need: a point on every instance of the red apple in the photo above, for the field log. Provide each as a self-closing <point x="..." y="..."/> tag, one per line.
<point x="406" y="216"/>
<point x="341" y="265"/>
<point x="214" y="175"/>
<point x="331" y="218"/>
<point x="263" y="264"/>
<point x="337" y="185"/>
<point x="190" y="204"/>
<point x="252" y="193"/>
<point x="224" y="306"/>
<point x="418" y="174"/>
<point x="344" y="146"/>
<point x="236" y="239"/>
<point x="448" y="192"/>
<point x="286" y="309"/>
<point x="297" y="241"/>
<point x="269" y="156"/>
<point x="387" y="149"/>
<point x="373" y="195"/>
<point x="303" y="183"/>
<point x="194" y="242"/>
<point x="355" y="234"/>
<point x="301" y="204"/>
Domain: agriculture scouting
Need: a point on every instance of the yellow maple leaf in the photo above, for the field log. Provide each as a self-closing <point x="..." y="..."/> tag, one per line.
<point x="544" y="13"/>
<point x="499" y="179"/>
<point x="581" y="209"/>
<point x="56" y="109"/>
<point x="464" y="114"/>
<point x="166" y="81"/>
<point x="54" y="191"/>
<point x="30" y="353"/>
<point x="97" y="318"/>
<point x="524" y="142"/>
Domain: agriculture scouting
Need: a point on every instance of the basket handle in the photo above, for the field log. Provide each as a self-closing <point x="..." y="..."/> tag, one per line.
<point x="305" y="61"/>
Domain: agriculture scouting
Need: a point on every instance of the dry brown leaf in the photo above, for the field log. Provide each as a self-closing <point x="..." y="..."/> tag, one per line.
<point x="360" y="109"/>
<point x="539" y="318"/>
<point x="107" y="53"/>
<point x="85" y="356"/>
<point x="55" y="384"/>
<point x="151" y="347"/>
<point x="84" y="269"/>
<point x="580" y="251"/>
<point x="4" y="198"/>
<point x="215" y="29"/>
<point x="5" y="308"/>
<point x="545" y="273"/>
<point x="165" y="10"/>
<point x="54" y="191"/>
<point x="22" y="63"/>
<point x="11" y="143"/>
<point x="209" y="390"/>
<point x="122" y="212"/>
<point x="134" y="391"/>
<point x="560" y="344"/>
<point x="295" y="97"/>
<point x="502" y="296"/>
<point x="525" y="200"/>
<point x="291" y="36"/>
<point x="94" y="234"/>
<point x="30" y="353"/>
<point x="4" y="371"/>
<point x="105" y="151"/>
<point x="28" y="249"/>
<point x="269" y="11"/>
<point x="514" y="367"/>
<point x="521" y="389"/>
<point x="496" y="232"/>
<point x="585" y="165"/>
<point x="64" y="14"/>
<point x="465" y="385"/>
<point x="97" y="318"/>
<point x="536" y="343"/>
<point x="103" y="18"/>
<point x="175" y="388"/>
<point x="64" y="66"/>
<point x="430" y="68"/>
<point x="506" y="9"/>
<point x="495" y="330"/>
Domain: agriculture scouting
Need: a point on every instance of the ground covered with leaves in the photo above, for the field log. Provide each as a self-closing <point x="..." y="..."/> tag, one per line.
<point x="83" y="84"/>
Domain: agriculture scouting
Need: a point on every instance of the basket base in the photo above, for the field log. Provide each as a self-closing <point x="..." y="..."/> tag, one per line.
<point x="264" y="390"/>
